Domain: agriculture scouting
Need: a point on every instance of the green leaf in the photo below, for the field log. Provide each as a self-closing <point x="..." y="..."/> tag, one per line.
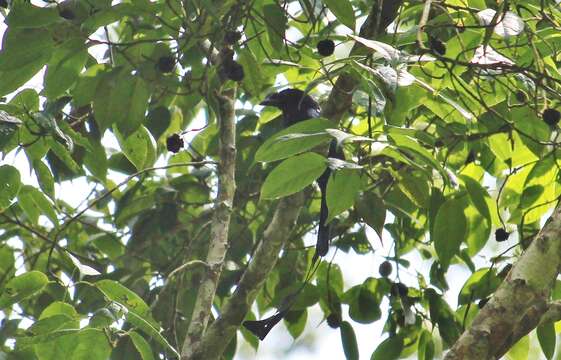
<point x="150" y="330"/>
<point x="22" y="287"/>
<point x="138" y="314"/>
<point x="329" y="274"/>
<point x="24" y="53"/>
<point x="478" y="230"/>
<point x="139" y="147"/>
<point x="96" y="161"/>
<point x="121" y="98"/>
<point x="295" y="322"/>
<point x="343" y="11"/>
<point x="404" y="142"/>
<point x="444" y="317"/>
<point x="45" y="178"/>
<point x="85" y="90"/>
<point x="116" y="292"/>
<point x="479" y="285"/>
<point x="449" y="230"/>
<point x="85" y="344"/>
<point x="64" y="155"/>
<point x="306" y="135"/>
<point x="293" y="175"/>
<point x="25" y="15"/>
<point x="372" y="210"/>
<point x="389" y="349"/>
<point x="64" y="67"/>
<point x="478" y="195"/>
<point x="416" y="188"/>
<point x="547" y="339"/>
<point x="425" y="346"/>
<point x="34" y="203"/>
<point x="364" y="301"/>
<point x="342" y="189"/>
<point x="348" y="339"/>
<point x="253" y="79"/>
<point x="10" y="185"/>
<point x="276" y="25"/>
<point x="158" y="120"/>
<point x="141" y="345"/>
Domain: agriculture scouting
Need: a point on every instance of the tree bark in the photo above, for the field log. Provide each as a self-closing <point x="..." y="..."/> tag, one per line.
<point x="519" y="303"/>
<point x="220" y="224"/>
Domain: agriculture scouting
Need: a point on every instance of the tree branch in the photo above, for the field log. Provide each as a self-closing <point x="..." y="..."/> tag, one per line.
<point x="221" y="331"/>
<point x="235" y="309"/>
<point x="220" y="224"/>
<point x="521" y="298"/>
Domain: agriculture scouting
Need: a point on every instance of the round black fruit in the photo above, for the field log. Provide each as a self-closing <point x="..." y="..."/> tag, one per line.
<point x="334" y="320"/>
<point x="551" y="117"/>
<point x="174" y="143"/>
<point x="326" y="47"/>
<point x="166" y="64"/>
<point x="234" y="71"/>
<point x="385" y="269"/>
<point x="501" y="235"/>
<point x="437" y="46"/>
<point x="232" y="37"/>
<point x="399" y="289"/>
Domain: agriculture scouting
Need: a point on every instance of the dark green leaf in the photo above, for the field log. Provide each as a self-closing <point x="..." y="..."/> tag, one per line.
<point x="276" y="25"/>
<point x="348" y="339"/>
<point x="343" y="11"/>
<point x="10" y="185"/>
<point x="141" y="346"/>
<point x="306" y="135"/>
<point x="547" y="339"/>
<point x="342" y="189"/>
<point x="22" y="287"/>
<point x="389" y="349"/>
<point x="46" y="180"/>
<point x="449" y="230"/>
<point x="293" y="175"/>
<point x="373" y="211"/>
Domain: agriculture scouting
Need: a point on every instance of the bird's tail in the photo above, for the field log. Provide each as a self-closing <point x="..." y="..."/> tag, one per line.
<point x="322" y="244"/>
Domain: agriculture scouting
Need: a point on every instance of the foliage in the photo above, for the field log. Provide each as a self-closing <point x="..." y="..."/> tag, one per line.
<point x="445" y="143"/>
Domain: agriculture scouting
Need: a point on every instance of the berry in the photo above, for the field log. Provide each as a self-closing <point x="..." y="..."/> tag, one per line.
<point x="399" y="289"/>
<point x="174" y="143"/>
<point x="232" y="37"/>
<point x="437" y="46"/>
<point x="501" y="235"/>
<point x="67" y="14"/>
<point x="334" y="320"/>
<point x="551" y="117"/>
<point x="233" y="70"/>
<point x="166" y="64"/>
<point x="482" y="302"/>
<point x="385" y="269"/>
<point x="326" y="47"/>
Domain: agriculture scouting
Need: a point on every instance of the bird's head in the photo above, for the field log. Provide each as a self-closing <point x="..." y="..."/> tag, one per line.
<point x="294" y="104"/>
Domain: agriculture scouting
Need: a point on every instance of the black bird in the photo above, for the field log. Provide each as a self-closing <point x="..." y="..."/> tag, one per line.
<point x="296" y="106"/>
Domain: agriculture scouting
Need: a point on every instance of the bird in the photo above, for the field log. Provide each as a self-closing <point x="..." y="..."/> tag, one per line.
<point x="297" y="106"/>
